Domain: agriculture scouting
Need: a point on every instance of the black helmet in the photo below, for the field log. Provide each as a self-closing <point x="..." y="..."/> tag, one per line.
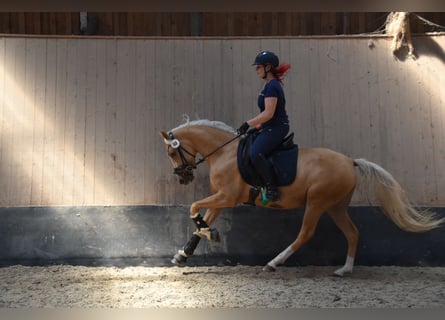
<point x="267" y="57"/>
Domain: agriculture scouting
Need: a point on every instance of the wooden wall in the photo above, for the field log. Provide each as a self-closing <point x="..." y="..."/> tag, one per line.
<point x="79" y="118"/>
<point x="207" y="23"/>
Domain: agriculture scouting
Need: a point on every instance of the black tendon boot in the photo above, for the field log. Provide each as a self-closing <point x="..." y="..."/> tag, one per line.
<point x="265" y="170"/>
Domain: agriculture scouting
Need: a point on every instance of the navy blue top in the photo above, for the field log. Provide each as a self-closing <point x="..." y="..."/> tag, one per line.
<point x="273" y="89"/>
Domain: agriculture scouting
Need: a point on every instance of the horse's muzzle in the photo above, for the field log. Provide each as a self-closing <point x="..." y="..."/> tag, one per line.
<point x="185" y="173"/>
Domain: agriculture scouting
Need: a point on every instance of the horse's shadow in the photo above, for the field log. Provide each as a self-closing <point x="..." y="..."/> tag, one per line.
<point x="423" y="46"/>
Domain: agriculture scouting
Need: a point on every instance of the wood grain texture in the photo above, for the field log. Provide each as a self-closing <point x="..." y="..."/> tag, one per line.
<point x="80" y="118"/>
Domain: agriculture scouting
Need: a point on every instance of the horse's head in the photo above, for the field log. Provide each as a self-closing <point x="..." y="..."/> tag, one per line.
<point x="183" y="160"/>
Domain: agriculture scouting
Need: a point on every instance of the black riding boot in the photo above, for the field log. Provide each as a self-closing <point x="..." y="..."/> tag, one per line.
<point x="265" y="170"/>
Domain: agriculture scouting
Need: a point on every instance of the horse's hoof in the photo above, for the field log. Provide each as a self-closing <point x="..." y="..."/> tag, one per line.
<point x="342" y="272"/>
<point x="338" y="274"/>
<point x="214" y="235"/>
<point x="269" y="268"/>
<point x="210" y="234"/>
<point x="179" y="259"/>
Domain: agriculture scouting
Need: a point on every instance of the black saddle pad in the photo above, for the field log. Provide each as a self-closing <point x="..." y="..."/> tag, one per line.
<point x="283" y="159"/>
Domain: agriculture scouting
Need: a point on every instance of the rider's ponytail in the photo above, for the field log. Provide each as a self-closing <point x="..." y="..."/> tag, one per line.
<point x="281" y="71"/>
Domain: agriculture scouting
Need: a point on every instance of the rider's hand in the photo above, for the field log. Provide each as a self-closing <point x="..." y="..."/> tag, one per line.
<point x="243" y="128"/>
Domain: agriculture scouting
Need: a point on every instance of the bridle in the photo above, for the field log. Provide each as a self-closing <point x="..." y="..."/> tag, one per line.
<point x="185" y="170"/>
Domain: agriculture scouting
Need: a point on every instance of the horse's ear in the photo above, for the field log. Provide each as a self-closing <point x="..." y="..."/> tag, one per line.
<point x="165" y="135"/>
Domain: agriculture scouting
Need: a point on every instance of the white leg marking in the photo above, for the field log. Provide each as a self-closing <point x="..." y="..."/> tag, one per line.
<point x="194" y="216"/>
<point x="281" y="258"/>
<point x="347" y="268"/>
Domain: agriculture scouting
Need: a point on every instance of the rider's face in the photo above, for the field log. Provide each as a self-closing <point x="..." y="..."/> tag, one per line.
<point x="261" y="70"/>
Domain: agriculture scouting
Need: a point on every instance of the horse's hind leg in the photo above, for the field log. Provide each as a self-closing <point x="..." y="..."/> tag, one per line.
<point x="339" y="213"/>
<point x="311" y="217"/>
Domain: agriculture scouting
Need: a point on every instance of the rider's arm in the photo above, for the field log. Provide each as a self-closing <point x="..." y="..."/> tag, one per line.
<point x="267" y="114"/>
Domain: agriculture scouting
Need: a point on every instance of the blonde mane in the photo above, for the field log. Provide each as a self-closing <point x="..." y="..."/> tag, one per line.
<point x="204" y="122"/>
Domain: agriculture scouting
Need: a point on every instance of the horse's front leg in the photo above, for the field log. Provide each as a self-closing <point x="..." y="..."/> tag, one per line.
<point x="203" y="224"/>
<point x="215" y="204"/>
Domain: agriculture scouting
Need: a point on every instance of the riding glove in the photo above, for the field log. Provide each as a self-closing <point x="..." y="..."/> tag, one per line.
<point x="243" y="128"/>
<point x="252" y="131"/>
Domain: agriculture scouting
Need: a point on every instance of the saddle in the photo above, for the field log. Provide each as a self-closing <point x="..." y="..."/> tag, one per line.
<point x="283" y="159"/>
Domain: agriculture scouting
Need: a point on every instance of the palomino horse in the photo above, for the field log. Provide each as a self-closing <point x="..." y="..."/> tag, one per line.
<point x="325" y="182"/>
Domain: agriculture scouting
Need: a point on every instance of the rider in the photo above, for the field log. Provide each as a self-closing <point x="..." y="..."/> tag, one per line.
<point x="272" y="121"/>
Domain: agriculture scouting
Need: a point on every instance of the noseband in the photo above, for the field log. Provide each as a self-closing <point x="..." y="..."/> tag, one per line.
<point x="185" y="170"/>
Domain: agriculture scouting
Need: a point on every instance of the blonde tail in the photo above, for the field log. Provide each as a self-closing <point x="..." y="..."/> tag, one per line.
<point x="393" y="199"/>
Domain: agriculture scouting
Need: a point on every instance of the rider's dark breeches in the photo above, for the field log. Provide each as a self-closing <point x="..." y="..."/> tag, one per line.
<point x="268" y="139"/>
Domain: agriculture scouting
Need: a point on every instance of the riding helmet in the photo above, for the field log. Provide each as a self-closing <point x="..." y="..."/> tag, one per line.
<point x="265" y="58"/>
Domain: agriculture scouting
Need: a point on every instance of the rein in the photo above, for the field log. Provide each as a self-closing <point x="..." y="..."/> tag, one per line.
<point x="220" y="147"/>
<point x="177" y="145"/>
